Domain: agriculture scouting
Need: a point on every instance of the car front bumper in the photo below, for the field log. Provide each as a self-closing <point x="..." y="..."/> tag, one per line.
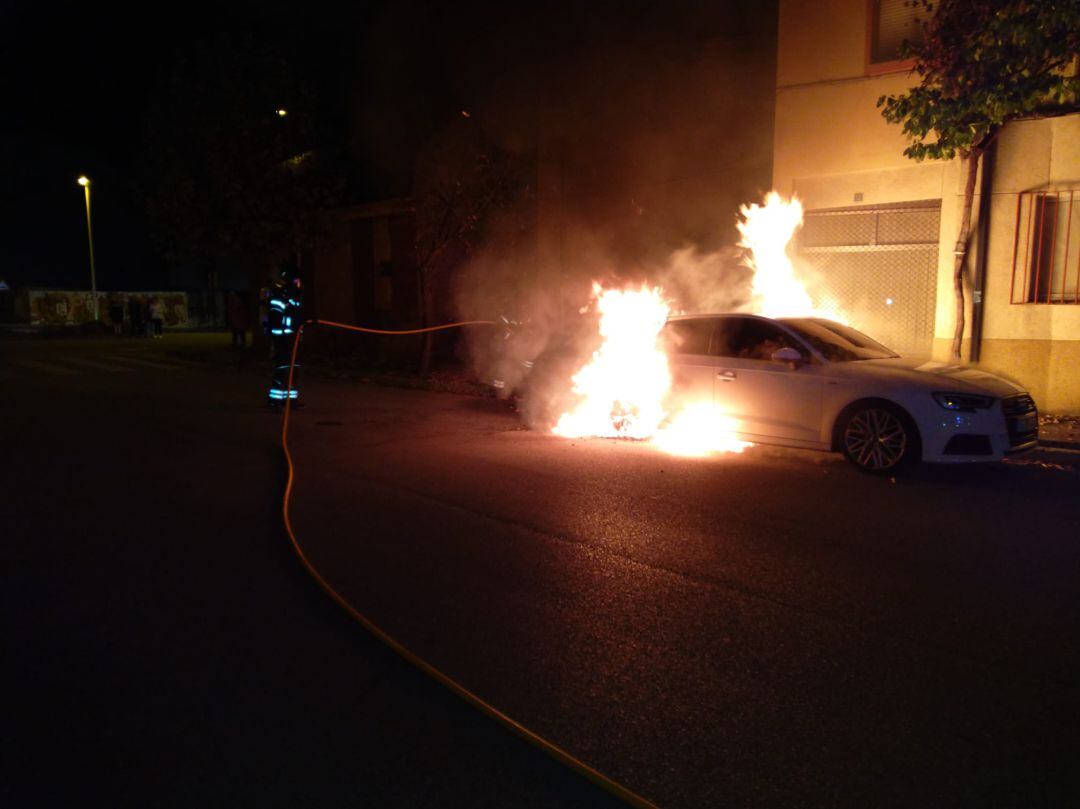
<point x="1011" y="425"/>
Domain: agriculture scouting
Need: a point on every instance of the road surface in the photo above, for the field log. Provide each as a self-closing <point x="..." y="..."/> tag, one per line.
<point x="765" y="629"/>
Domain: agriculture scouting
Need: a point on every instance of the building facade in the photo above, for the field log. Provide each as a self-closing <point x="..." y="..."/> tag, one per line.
<point x="364" y="272"/>
<point x="880" y="228"/>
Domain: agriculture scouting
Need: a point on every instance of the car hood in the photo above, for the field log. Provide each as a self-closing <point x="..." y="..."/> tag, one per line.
<point x="945" y="377"/>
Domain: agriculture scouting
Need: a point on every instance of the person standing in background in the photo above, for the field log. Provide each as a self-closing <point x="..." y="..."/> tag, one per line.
<point x="148" y="324"/>
<point x="156" y="321"/>
<point x="116" y="315"/>
<point x="135" y="317"/>
<point x="238" y="320"/>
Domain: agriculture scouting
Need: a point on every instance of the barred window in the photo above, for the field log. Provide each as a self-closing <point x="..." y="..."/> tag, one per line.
<point x="1046" y="262"/>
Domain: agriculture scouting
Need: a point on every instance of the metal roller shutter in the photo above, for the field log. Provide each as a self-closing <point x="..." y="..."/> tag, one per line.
<point x="879" y="265"/>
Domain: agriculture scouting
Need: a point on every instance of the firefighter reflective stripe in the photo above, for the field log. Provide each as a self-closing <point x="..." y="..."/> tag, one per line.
<point x="282" y="322"/>
<point x="283" y="314"/>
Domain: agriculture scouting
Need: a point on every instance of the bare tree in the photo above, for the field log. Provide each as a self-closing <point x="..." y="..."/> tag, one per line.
<point x="464" y="186"/>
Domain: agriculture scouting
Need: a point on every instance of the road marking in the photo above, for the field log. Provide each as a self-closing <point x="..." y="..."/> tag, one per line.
<point x="50" y="368"/>
<point x="74" y="366"/>
<point x="101" y="366"/>
<point x="160" y="366"/>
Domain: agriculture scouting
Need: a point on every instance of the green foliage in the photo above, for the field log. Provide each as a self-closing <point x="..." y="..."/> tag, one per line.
<point x="983" y="63"/>
<point x="223" y="175"/>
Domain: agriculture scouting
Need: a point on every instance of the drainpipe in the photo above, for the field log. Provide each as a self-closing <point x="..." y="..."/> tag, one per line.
<point x="983" y="237"/>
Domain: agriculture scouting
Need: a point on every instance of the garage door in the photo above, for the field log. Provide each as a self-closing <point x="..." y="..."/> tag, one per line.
<point x="879" y="265"/>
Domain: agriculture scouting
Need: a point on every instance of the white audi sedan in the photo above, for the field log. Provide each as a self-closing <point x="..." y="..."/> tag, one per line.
<point x="817" y="384"/>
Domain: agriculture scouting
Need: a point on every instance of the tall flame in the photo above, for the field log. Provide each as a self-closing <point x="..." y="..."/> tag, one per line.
<point x="626" y="381"/>
<point x="625" y="389"/>
<point x="766" y="232"/>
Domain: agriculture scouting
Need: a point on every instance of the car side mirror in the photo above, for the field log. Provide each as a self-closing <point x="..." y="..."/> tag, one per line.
<point x="788" y="356"/>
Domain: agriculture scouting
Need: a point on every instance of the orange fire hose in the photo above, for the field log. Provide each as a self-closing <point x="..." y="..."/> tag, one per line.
<point x="553" y="750"/>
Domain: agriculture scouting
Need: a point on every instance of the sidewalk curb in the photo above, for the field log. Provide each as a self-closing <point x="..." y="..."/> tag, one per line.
<point x="1072" y="446"/>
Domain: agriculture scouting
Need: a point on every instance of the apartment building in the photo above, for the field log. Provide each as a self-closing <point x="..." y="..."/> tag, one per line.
<point x="880" y="228"/>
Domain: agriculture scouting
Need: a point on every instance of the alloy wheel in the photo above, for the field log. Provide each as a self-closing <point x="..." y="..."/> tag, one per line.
<point x="875" y="439"/>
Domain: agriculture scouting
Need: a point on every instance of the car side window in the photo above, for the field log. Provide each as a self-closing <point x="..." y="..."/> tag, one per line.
<point x="758" y="339"/>
<point x="689" y="336"/>
<point x="727" y="331"/>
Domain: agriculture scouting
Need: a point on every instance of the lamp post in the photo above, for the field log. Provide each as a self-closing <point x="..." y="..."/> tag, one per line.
<point x="84" y="181"/>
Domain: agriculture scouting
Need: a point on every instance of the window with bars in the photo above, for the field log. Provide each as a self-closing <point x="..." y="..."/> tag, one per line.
<point x="890" y="23"/>
<point x="1046" y="261"/>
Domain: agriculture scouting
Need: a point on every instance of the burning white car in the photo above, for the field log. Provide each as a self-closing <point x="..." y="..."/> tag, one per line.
<point x="817" y="384"/>
<point x="788" y="374"/>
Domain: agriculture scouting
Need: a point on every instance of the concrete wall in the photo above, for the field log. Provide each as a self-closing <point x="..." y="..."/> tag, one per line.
<point x="820" y="41"/>
<point x="363" y="272"/>
<point x="833" y="149"/>
<point x="1039" y="344"/>
<point x="331" y="295"/>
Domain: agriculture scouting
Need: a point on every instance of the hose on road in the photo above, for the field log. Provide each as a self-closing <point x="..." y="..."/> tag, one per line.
<point x="553" y="750"/>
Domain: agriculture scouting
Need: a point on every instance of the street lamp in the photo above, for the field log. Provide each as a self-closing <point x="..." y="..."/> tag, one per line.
<point x="84" y="181"/>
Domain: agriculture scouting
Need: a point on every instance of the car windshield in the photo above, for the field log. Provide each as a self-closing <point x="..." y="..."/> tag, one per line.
<point x="836" y="342"/>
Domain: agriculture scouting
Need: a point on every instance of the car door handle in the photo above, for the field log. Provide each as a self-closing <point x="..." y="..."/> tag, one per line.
<point x="725" y="376"/>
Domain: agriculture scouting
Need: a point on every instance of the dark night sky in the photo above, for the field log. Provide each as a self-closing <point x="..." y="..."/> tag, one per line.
<point x="75" y="77"/>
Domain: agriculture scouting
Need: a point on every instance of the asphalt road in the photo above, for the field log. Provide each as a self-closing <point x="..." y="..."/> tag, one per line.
<point x="162" y="646"/>
<point x="766" y="629"/>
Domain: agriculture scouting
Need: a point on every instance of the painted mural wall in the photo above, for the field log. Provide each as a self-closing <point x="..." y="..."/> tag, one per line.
<point x="60" y="307"/>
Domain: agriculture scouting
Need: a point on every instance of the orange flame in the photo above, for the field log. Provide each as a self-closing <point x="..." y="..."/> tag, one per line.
<point x="766" y="232"/>
<point x="625" y="388"/>
<point x="698" y="430"/>
<point x="625" y="383"/>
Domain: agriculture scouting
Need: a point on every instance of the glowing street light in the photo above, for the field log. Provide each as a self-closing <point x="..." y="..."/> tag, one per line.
<point x="84" y="181"/>
<point x="281" y="112"/>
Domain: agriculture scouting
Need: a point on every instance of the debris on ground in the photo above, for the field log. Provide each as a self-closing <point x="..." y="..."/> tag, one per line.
<point x="1036" y="462"/>
<point x="1059" y="427"/>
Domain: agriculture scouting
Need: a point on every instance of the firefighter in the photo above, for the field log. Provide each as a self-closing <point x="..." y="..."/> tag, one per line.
<point x="283" y="319"/>
<point x="515" y="353"/>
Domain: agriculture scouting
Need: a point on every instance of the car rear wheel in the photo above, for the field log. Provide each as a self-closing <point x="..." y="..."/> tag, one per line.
<point x="878" y="438"/>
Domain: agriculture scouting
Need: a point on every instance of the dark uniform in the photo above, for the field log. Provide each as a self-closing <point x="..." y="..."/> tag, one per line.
<point x="515" y="353"/>
<point x="282" y="322"/>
